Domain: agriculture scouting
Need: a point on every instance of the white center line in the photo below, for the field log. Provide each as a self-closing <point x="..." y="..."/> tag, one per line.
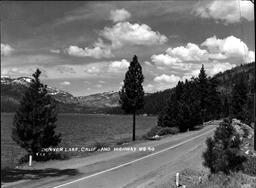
<point x="122" y="165"/>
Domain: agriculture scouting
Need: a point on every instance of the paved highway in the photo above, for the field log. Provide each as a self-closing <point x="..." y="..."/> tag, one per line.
<point x="128" y="168"/>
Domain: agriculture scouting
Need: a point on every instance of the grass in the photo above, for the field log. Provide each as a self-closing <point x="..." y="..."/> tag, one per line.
<point x="78" y="130"/>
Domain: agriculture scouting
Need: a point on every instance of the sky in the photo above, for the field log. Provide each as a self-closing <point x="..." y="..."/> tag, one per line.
<point x="86" y="47"/>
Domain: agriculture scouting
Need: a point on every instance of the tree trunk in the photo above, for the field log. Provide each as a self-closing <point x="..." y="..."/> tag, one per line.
<point x="133" y="131"/>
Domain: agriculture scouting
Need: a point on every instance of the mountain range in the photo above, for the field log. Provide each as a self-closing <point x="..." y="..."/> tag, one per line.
<point x="12" y="90"/>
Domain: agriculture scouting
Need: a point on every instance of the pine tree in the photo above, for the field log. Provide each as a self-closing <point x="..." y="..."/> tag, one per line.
<point x="210" y="101"/>
<point x="35" y="119"/>
<point x="132" y="94"/>
<point x="239" y="99"/>
<point x="203" y="92"/>
<point x="214" y="105"/>
<point x="223" y="152"/>
<point x="226" y="107"/>
<point x="169" y="116"/>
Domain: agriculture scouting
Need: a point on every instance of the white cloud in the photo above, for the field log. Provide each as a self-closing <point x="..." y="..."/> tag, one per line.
<point x="119" y="15"/>
<point x="184" y="58"/>
<point x="162" y="82"/>
<point x="251" y="56"/>
<point x="180" y="57"/>
<point x="191" y="52"/>
<point x="126" y="33"/>
<point x="55" y="51"/>
<point x="65" y="83"/>
<point x="98" y="51"/>
<point x="117" y="66"/>
<point x="120" y="34"/>
<point x="147" y="63"/>
<point x="227" y="48"/>
<point x="6" y="49"/>
<point x="217" y="67"/>
<point x="149" y="88"/>
<point x="217" y="55"/>
<point x="166" y="78"/>
<point x="164" y="59"/>
<point x="227" y="11"/>
<point x="92" y="69"/>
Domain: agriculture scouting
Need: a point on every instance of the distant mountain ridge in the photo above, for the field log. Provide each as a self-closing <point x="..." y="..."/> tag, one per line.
<point x="12" y="90"/>
<point x="105" y="99"/>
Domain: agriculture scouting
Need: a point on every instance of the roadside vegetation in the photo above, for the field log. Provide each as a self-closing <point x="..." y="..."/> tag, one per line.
<point x="191" y="103"/>
<point x="229" y="155"/>
<point x="229" y="160"/>
<point x="35" y="120"/>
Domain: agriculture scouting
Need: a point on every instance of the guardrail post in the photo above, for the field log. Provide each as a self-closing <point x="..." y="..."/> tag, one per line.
<point x="30" y="160"/>
<point x="177" y="179"/>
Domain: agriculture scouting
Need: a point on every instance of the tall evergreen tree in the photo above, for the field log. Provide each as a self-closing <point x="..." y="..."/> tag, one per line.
<point x="226" y="107"/>
<point x="210" y="101"/>
<point x="169" y="116"/>
<point x="202" y="89"/>
<point x="35" y="119"/>
<point x="132" y="94"/>
<point x="239" y="100"/>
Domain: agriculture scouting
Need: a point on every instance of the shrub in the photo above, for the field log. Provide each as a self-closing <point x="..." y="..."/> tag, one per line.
<point x="234" y="180"/>
<point x="168" y="130"/>
<point x="250" y="166"/>
<point x="153" y="131"/>
<point x="223" y="152"/>
<point x="160" y="131"/>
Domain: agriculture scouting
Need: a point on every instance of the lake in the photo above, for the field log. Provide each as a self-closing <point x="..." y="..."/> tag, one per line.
<point x="78" y="130"/>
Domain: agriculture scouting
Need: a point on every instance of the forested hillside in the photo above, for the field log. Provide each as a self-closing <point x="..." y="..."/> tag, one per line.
<point x="12" y="90"/>
<point x="225" y="82"/>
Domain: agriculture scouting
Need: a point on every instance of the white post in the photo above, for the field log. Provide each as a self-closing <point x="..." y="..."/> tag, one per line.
<point x="30" y="160"/>
<point x="177" y="179"/>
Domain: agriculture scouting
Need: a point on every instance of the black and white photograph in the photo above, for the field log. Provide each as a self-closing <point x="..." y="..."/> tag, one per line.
<point x="128" y="94"/>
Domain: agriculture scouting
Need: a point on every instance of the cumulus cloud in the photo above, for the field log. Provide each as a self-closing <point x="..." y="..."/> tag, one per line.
<point x="180" y="57"/>
<point x="166" y="78"/>
<point x="217" y="67"/>
<point x="126" y="33"/>
<point x="117" y="66"/>
<point x="190" y="52"/>
<point x="120" y="34"/>
<point x="65" y="83"/>
<point x="165" y="59"/>
<point x="6" y="49"/>
<point x="225" y="11"/>
<point x="162" y="82"/>
<point x="223" y="50"/>
<point x="217" y="55"/>
<point x="119" y="15"/>
<point x="98" y="51"/>
<point x="227" y="48"/>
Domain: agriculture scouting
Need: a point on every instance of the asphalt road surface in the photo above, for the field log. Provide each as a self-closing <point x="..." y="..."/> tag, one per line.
<point x="118" y="169"/>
